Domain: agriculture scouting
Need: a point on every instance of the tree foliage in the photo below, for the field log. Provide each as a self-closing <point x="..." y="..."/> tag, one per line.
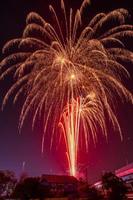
<point x="91" y="193"/>
<point x="31" y="187"/>
<point x="114" y="186"/>
<point x="7" y="182"/>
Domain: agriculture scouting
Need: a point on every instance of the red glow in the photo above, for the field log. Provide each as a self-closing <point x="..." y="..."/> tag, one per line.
<point x="70" y="123"/>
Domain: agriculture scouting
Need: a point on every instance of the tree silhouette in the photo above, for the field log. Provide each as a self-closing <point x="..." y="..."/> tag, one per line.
<point x="114" y="186"/>
<point x="89" y="192"/>
<point x="7" y="182"/>
<point x="31" y="187"/>
<point x="94" y="194"/>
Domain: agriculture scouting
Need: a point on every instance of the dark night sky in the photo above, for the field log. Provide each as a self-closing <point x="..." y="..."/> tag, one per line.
<point x="16" y="149"/>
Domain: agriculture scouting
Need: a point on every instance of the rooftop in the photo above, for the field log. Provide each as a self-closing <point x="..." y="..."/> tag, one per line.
<point x="60" y="179"/>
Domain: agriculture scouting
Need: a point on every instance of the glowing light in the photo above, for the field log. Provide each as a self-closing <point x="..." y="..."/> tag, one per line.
<point x="72" y="76"/>
<point x="91" y="96"/>
<point x="70" y="123"/>
<point x="80" y="112"/>
<point x="70" y="73"/>
<point x="61" y="60"/>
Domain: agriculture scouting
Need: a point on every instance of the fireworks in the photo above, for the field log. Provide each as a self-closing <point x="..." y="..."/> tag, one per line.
<point x="70" y="73"/>
<point x="83" y="112"/>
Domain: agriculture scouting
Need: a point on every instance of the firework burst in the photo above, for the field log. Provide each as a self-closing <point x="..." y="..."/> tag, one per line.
<point x="70" y="73"/>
